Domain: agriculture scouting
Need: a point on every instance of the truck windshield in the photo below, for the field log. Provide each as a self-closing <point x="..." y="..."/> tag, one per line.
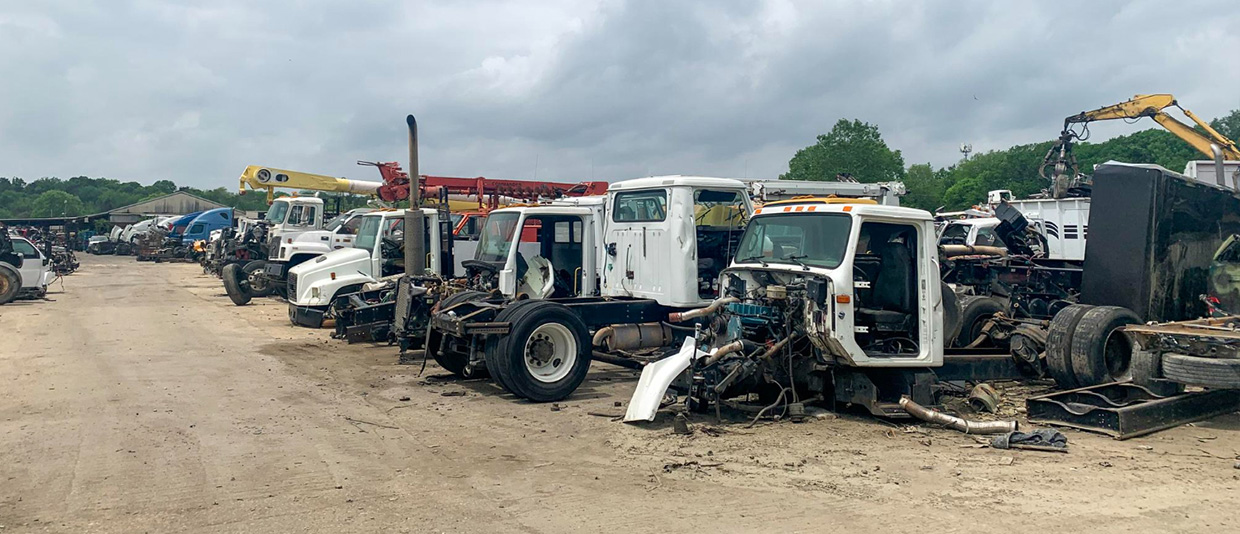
<point x="955" y="234"/>
<point x="497" y="237"/>
<point x="335" y="223"/>
<point x="277" y="212"/>
<point x="368" y="235"/>
<point x="813" y="239"/>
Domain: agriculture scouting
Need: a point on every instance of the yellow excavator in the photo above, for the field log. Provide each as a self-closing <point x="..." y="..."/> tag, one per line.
<point x="1208" y="141"/>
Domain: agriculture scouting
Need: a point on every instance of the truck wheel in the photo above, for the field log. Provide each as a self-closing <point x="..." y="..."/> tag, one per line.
<point x="977" y="311"/>
<point x="10" y="285"/>
<point x="497" y="366"/>
<point x="454" y="362"/>
<point x="1222" y="373"/>
<point x="1100" y="353"/>
<point x="1059" y="345"/>
<point x="546" y="355"/>
<point x="258" y="283"/>
<point x="1147" y="373"/>
<point x="235" y="284"/>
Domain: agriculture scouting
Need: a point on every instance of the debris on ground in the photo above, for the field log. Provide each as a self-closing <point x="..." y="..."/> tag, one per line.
<point x="1039" y="440"/>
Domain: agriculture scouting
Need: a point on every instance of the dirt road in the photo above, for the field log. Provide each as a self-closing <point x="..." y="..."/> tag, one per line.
<point x="141" y="400"/>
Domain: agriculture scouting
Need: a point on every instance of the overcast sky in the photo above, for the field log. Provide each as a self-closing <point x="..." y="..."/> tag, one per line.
<point x="573" y="90"/>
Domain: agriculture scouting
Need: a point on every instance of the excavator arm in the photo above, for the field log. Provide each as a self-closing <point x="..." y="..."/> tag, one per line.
<point x="1152" y="106"/>
<point x="1060" y="155"/>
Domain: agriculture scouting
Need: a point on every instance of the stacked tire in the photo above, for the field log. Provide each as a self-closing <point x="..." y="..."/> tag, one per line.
<point x="1166" y="373"/>
<point x="1085" y="346"/>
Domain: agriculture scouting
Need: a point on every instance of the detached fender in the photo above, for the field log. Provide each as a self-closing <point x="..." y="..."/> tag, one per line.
<point x="655" y="380"/>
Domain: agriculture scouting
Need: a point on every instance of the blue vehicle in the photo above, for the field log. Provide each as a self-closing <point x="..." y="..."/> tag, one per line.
<point x="178" y="227"/>
<point x="207" y="221"/>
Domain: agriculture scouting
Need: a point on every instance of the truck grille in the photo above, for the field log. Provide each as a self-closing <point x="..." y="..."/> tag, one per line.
<point x="292" y="286"/>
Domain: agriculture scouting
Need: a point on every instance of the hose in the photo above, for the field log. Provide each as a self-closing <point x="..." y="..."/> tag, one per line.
<point x="680" y="317"/>
<point x="956" y="423"/>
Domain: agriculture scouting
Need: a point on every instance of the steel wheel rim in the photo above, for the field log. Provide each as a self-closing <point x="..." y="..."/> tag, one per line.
<point x="550" y="352"/>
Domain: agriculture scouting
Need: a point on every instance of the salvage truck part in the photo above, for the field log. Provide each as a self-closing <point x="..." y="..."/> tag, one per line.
<point x="829" y="299"/>
<point x="650" y="248"/>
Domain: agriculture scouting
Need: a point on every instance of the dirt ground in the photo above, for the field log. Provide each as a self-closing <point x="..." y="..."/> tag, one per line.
<point x="139" y="399"/>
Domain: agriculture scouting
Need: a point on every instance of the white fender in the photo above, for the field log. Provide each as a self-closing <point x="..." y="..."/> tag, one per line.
<point x="655" y="380"/>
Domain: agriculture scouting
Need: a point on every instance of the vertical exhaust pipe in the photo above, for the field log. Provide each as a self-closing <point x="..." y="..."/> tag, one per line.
<point x="1220" y="169"/>
<point x="415" y="224"/>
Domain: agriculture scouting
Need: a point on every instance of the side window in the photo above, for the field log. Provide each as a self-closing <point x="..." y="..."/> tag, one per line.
<point x="308" y="217"/>
<point x="351" y="227"/>
<point x="196" y="228"/>
<point x="25" y="249"/>
<point x="294" y="216"/>
<point x="223" y="215"/>
<point x="718" y="208"/>
<point x="640" y="206"/>
<point x="987" y="237"/>
<point x="568" y="232"/>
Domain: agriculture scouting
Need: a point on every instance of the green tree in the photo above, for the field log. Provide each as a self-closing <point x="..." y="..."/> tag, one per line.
<point x="852" y="147"/>
<point x="56" y="203"/>
<point x="1228" y="125"/>
<point x="925" y="186"/>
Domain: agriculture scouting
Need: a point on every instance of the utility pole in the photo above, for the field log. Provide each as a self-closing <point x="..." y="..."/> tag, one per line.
<point x="415" y="248"/>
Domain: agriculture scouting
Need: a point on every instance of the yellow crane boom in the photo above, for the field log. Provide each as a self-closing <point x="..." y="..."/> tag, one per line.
<point x="258" y="178"/>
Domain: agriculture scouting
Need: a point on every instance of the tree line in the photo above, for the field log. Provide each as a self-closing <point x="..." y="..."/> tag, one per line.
<point x="851" y="147"/>
<point x="857" y="148"/>
<point x="81" y="195"/>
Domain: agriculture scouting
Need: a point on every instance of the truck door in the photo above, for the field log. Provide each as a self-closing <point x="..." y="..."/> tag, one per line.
<point x="32" y="263"/>
<point x="639" y="258"/>
<point x="343" y="237"/>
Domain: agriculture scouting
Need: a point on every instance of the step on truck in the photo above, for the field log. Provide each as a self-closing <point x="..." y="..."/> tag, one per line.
<point x="650" y="247"/>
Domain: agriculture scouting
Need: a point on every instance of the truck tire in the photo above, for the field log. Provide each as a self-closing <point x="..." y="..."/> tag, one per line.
<point x="546" y="354"/>
<point x="455" y="362"/>
<point x="235" y="284"/>
<point x="10" y="285"/>
<point x="977" y="310"/>
<point x="1147" y="373"/>
<point x="1059" y="345"/>
<point x="498" y="367"/>
<point x="258" y="284"/>
<point x="1100" y="353"/>
<point x="1221" y="373"/>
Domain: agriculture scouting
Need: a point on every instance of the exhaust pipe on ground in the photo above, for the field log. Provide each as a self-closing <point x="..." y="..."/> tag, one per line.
<point x="956" y="423"/>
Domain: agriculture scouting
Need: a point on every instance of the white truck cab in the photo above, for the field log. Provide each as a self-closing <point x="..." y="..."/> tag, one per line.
<point x="543" y="251"/>
<point x="290" y="217"/>
<point x="36" y="269"/>
<point x="298" y="245"/>
<point x="664" y="238"/>
<point x="870" y="276"/>
<point x="375" y="254"/>
<point x="977" y="231"/>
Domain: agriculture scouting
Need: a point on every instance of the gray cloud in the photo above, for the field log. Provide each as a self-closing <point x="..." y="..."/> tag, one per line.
<point x="193" y="92"/>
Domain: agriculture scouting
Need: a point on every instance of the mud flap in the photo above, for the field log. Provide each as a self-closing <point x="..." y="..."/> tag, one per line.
<point x="655" y="380"/>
